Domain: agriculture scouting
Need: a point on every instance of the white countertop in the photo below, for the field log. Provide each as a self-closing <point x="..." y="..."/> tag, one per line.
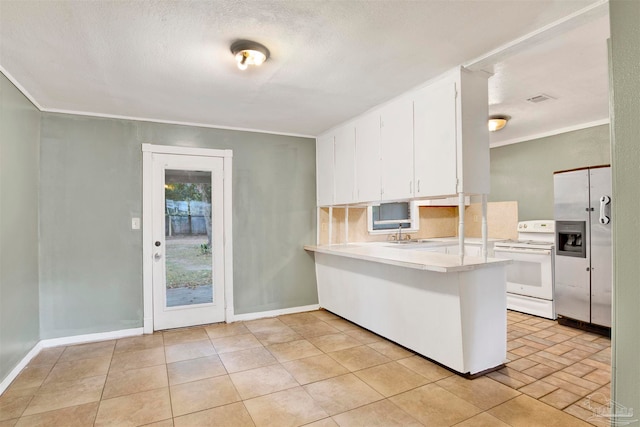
<point x="469" y="240"/>
<point x="382" y="252"/>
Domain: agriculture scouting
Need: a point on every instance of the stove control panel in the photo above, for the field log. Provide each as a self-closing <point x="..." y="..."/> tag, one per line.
<point x="537" y="226"/>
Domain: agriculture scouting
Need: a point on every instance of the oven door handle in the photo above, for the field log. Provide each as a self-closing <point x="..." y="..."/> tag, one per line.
<point x="523" y="251"/>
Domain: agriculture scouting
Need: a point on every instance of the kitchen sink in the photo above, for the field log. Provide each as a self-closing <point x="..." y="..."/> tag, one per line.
<point x="415" y="244"/>
<point x="416" y="241"/>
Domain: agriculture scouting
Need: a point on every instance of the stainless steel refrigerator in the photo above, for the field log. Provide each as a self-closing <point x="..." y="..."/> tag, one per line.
<point x="583" y="272"/>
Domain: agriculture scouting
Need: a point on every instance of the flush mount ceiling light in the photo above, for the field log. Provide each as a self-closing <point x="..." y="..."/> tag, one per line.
<point x="497" y="122"/>
<point x="249" y="53"/>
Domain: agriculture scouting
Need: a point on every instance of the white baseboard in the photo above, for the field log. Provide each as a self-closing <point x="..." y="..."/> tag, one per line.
<point x="56" y="342"/>
<point x="20" y="366"/>
<point x="100" y="336"/>
<point x="272" y="313"/>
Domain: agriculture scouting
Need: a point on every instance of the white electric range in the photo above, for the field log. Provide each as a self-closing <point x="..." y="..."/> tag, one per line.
<point x="530" y="278"/>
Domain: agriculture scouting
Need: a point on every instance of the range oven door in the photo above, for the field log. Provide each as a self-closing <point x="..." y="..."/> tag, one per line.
<point x="531" y="272"/>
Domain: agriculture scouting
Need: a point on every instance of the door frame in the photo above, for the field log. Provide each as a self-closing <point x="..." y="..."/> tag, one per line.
<point x="147" y="226"/>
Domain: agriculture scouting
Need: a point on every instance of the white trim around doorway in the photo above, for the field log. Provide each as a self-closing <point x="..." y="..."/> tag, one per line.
<point x="147" y="208"/>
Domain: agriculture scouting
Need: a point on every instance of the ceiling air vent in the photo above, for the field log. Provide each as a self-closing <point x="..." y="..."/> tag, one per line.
<point x="540" y="98"/>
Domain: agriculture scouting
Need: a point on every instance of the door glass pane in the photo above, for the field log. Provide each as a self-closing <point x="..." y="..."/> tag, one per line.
<point x="188" y="238"/>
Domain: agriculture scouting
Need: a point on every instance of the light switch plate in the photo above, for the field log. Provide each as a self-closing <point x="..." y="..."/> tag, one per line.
<point x="135" y="223"/>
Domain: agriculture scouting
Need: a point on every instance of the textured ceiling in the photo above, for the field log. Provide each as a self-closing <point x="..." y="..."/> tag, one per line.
<point x="330" y="60"/>
<point x="572" y="69"/>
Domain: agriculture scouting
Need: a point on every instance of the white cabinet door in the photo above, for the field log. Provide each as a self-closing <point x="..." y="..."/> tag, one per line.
<point x="473" y="250"/>
<point x="473" y="135"/>
<point x="453" y="249"/>
<point x="435" y="140"/>
<point x="469" y="250"/>
<point x="396" y="146"/>
<point x="368" y="158"/>
<point x="344" y="162"/>
<point x="324" y="170"/>
<point x="440" y="249"/>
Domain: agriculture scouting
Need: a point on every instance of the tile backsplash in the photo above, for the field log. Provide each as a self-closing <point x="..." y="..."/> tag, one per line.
<point x="502" y="220"/>
<point x="435" y="221"/>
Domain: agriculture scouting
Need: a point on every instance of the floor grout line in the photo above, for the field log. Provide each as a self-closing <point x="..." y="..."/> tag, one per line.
<point x="522" y="329"/>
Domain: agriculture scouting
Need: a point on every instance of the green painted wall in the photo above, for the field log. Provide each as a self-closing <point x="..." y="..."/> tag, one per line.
<point x="625" y="97"/>
<point x="19" y="145"/>
<point x="90" y="259"/>
<point x="524" y="171"/>
<point x="91" y="178"/>
<point x="274" y="187"/>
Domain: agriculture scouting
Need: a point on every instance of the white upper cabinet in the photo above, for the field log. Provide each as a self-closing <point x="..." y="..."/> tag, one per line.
<point x="451" y="138"/>
<point x="435" y="167"/>
<point x="324" y="170"/>
<point x="367" y="163"/>
<point x="472" y="112"/>
<point x="396" y="149"/>
<point x="344" y="171"/>
<point x="430" y="143"/>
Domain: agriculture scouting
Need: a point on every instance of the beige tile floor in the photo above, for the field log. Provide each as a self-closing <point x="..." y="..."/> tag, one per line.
<point x="308" y="369"/>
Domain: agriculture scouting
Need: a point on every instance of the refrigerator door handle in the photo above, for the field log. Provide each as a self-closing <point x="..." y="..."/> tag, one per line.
<point x="604" y="201"/>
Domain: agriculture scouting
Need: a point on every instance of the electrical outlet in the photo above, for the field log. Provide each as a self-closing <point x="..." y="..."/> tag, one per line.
<point x="324" y="226"/>
<point x="475" y="218"/>
<point x="135" y="223"/>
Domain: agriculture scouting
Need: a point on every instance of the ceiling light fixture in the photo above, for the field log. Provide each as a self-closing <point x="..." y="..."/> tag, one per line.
<point x="249" y="53"/>
<point x="497" y="122"/>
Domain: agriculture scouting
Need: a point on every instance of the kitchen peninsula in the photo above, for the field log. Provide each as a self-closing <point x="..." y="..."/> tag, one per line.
<point x="429" y="144"/>
<point x="427" y="302"/>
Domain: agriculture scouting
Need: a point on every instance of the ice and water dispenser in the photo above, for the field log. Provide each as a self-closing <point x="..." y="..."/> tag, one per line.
<point x="570" y="239"/>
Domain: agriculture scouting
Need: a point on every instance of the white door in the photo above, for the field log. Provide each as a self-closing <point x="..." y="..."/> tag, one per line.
<point x="188" y="241"/>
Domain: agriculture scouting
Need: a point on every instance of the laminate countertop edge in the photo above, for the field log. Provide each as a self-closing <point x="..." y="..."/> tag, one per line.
<point x="407" y="258"/>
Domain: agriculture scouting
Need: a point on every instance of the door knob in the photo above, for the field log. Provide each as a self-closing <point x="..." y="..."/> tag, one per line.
<point x="157" y="256"/>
